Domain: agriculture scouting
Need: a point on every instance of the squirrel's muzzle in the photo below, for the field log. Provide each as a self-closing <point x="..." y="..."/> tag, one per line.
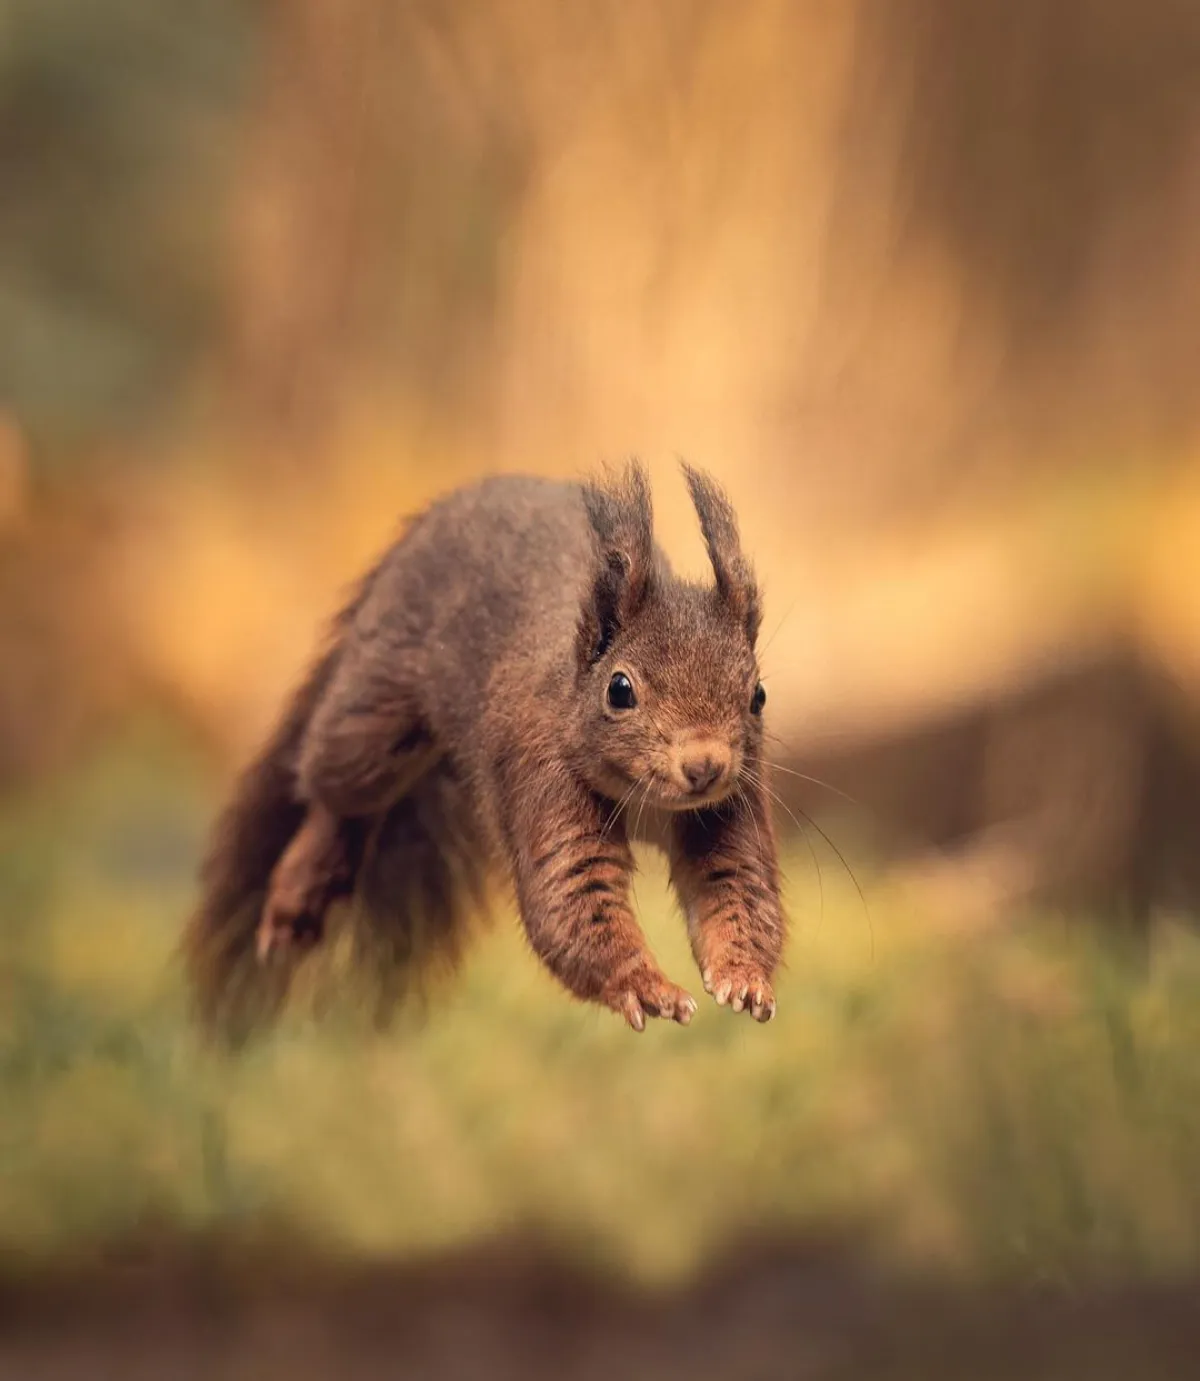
<point x="702" y="765"/>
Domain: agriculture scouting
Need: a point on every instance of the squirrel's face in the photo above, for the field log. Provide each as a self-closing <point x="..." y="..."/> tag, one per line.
<point x="677" y="704"/>
<point x="669" y="692"/>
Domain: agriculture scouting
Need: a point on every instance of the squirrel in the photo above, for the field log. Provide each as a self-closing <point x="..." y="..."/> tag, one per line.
<point x="517" y="676"/>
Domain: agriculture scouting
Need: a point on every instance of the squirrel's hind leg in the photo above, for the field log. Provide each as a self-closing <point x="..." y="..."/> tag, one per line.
<point x="364" y="748"/>
<point x="316" y="867"/>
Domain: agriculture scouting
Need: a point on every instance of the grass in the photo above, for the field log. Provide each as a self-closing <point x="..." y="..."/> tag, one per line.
<point x="1004" y="1105"/>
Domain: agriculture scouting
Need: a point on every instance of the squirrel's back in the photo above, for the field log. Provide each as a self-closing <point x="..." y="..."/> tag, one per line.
<point x="495" y="571"/>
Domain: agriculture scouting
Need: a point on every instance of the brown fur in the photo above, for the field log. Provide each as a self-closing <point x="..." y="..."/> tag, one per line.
<point x="461" y="721"/>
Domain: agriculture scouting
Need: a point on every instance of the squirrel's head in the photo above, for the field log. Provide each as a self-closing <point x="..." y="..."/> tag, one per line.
<point x="670" y="698"/>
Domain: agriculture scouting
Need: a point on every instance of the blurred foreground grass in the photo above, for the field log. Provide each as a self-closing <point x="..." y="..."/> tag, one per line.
<point x="1004" y="1105"/>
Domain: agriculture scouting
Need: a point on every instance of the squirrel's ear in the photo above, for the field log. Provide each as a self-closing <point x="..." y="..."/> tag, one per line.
<point x="736" y="584"/>
<point x="622" y="522"/>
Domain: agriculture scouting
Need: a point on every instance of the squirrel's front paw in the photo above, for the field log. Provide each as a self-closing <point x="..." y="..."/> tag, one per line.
<point x="645" y="992"/>
<point x="742" y="985"/>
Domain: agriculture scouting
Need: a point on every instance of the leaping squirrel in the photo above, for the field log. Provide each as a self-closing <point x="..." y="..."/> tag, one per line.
<point x="516" y="681"/>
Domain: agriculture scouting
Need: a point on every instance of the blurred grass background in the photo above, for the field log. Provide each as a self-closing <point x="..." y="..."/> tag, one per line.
<point x="1008" y="1106"/>
<point x="918" y="282"/>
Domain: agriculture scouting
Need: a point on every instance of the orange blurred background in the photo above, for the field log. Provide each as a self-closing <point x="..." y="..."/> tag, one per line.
<point x="921" y="286"/>
<point x="919" y="282"/>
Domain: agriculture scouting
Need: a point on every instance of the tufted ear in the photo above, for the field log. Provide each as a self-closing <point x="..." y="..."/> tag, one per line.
<point x="622" y="522"/>
<point x="736" y="584"/>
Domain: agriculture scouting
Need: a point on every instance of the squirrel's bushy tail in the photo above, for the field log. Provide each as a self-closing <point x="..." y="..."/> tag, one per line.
<point x="232" y="991"/>
<point x="420" y="883"/>
<point x="418" y="879"/>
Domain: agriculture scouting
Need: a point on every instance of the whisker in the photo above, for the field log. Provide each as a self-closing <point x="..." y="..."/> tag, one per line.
<point x="619" y="807"/>
<point x="750" y="811"/>
<point x="778" y="628"/>
<point x="816" y="781"/>
<point x="804" y="834"/>
<point x="774" y="795"/>
<point x="613" y="815"/>
<point x="649" y="782"/>
<point x="850" y="873"/>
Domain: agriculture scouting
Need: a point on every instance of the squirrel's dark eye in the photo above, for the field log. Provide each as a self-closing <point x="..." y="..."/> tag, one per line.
<point x="620" y="692"/>
<point x="758" y="699"/>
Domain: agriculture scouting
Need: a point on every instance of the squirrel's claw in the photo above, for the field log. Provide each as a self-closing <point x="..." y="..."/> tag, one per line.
<point x="744" y="993"/>
<point x="763" y="1007"/>
<point x="264" y="941"/>
<point x="634" y="1014"/>
<point x="655" y="998"/>
<point x="279" y="931"/>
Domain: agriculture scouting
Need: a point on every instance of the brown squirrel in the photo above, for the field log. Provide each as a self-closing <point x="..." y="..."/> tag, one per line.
<point x="517" y="677"/>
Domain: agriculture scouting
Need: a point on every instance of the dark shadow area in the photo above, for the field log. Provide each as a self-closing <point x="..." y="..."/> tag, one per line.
<point x="515" y="1310"/>
<point x="1081" y="782"/>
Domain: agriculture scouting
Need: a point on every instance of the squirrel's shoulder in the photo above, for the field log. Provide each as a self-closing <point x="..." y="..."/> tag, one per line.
<point x="498" y="540"/>
<point x="498" y="514"/>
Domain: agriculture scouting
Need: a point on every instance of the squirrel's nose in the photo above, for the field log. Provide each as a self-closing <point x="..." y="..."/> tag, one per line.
<point x="704" y="767"/>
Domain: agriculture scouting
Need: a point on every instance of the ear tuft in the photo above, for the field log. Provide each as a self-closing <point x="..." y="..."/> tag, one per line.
<point x="736" y="584"/>
<point x="621" y="517"/>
